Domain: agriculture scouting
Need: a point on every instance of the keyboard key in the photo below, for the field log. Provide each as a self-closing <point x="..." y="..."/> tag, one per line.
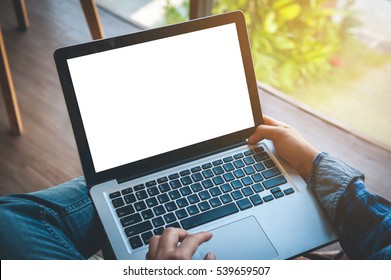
<point x="139" y="206"/>
<point x="236" y="184"/>
<point x="215" y="202"/>
<point x="173" y="176"/>
<point x="248" y="160"/>
<point x="159" y="210"/>
<point x="206" y="166"/>
<point x="215" y="191"/>
<point x="209" y="216"/>
<point x="146" y="236"/>
<point x="259" y="166"/>
<point x="115" y="195"/>
<point x="274" y="190"/>
<point x="196" y="187"/>
<point x="261" y="157"/>
<point x="247" y="181"/>
<point x="289" y="191"/>
<point x="186" y="180"/>
<point x="226" y="188"/>
<point x="131" y="220"/>
<point x="174" y="225"/>
<point x="228" y="177"/>
<point x="127" y="191"/>
<point x="164" y="187"/>
<point x="226" y="198"/>
<point x="141" y="195"/>
<point x="193" y="209"/>
<point x="196" y="169"/>
<point x="248" y="152"/>
<point x="175" y="184"/>
<point x="135" y="242"/>
<point x="170" y="206"/>
<point x="268" y="184"/>
<point x="236" y="195"/>
<point x="244" y="204"/>
<point x="249" y="170"/>
<point x="184" y="172"/>
<point x="218" y="180"/>
<point x="204" y="195"/>
<point x="118" y="202"/>
<point x="193" y="199"/>
<point x="228" y="167"/>
<point x="247" y="191"/>
<point x="147" y="214"/>
<point x="125" y="210"/>
<point x="181" y="214"/>
<point x="256" y="199"/>
<point x="259" y="149"/>
<point x="268" y="198"/>
<point x="207" y="174"/>
<point x="158" y="221"/>
<point x="182" y="202"/>
<point x="197" y="177"/>
<point x="138" y="187"/>
<point x="185" y="191"/>
<point x="278" y="194"/>
<point x="257" y="177"/>
<point x="138" y="228"/>
<point x="174" y="194"/>
<point x="239" y="163"/>
<point x="158" y="231"/>
<point x="163" y="198"/>
<point x="169" y="218"/>
<point x="271" y="173"/>
<point x="162" y="180"/>
<point x="151" y="183"/>
<point x="238" y="156"/>
<point x="217" y="162"/>
<point x="218" y="170"/>
<point x="228" y="159"/>
<point x="239" y="173"/>
<point x="207" y="184"/>
<point x="269" y="163"/>
<point x="257" y="188"/>
<point x="153" y="191"/>
<point x="204" y="206"/>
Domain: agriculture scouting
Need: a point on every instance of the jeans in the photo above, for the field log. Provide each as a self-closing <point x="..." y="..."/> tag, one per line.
<point x="55" y="223"/>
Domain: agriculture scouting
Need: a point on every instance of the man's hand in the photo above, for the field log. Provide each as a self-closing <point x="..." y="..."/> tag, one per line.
<point x="177" y="244"/>
<point x="290" y="145"/>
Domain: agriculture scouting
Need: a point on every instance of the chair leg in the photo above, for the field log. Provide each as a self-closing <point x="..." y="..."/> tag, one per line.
<point x="8" y="89"/>
<point x="21" y="14"/>
<point x="92" y="16"/>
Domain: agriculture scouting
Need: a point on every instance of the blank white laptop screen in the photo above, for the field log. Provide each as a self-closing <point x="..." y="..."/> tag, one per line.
<point x="147" y="99"/>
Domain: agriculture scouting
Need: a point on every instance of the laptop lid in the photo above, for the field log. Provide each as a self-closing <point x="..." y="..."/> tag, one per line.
<point x="157" y="98"/>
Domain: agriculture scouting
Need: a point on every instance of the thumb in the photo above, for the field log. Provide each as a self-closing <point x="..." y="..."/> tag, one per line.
<point x="264" y="132"/>
<point x="210" y="256"/>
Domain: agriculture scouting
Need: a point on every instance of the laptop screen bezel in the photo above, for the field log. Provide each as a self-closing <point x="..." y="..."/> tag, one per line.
<point x="172" y="158"/>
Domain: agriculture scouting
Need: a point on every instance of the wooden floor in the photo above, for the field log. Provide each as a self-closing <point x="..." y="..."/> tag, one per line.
<point x="46" y="153"/>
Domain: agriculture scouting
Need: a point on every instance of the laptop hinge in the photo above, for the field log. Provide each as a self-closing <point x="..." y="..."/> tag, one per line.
<point x="241" y="143"/>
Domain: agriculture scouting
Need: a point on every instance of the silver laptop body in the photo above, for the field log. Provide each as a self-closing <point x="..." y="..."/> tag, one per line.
<point x="161" y="119"/>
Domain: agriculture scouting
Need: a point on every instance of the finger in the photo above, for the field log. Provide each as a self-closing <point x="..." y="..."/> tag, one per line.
<point x="273" y="122"/>
<point x="265" y="132"/>
<point x="190" y="244"/>
<point x="170" y="239"/>
<point x="210" y="256"/>
<point x="153" y="246"/>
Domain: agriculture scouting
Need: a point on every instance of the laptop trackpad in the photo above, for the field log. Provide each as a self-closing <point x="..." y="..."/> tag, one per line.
<point x="240" y="240"/>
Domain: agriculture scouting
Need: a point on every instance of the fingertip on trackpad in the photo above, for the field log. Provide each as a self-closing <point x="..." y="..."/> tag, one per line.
<point x="240" y="240"/>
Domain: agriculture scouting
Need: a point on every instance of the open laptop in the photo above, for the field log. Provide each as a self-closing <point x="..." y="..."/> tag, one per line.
<point x="161" y="119"/>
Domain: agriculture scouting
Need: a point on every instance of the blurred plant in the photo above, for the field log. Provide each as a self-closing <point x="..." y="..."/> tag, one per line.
<point x="175" y="14"/>
<point x="293" y="41"/>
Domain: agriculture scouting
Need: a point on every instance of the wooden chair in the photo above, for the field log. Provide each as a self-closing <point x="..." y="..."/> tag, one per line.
<point x="11" y="103"/>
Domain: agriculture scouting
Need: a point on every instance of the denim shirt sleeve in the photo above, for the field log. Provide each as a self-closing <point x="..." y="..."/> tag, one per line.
<point x="329" y="179"/>
<point x="363" y="219"/>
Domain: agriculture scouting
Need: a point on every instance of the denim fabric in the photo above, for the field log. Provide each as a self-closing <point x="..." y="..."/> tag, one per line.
<point x="55" y="223"/>
<point x="363" y="219"/>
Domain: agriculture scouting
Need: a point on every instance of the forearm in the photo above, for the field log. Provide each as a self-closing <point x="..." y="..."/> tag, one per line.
<point x="363" y="219"/>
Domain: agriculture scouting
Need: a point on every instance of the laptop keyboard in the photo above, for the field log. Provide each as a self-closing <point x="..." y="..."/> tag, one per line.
<point x="199" y="195"/>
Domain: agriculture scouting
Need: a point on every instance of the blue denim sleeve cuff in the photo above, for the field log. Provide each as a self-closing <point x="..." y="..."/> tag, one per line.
<point x="329" y="179"/>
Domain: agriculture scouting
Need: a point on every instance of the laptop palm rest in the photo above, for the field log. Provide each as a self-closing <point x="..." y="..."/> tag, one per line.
<point x="246" y="241"/>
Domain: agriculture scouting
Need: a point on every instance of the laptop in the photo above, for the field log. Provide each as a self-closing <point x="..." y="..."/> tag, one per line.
<point x="161" y="119"/>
